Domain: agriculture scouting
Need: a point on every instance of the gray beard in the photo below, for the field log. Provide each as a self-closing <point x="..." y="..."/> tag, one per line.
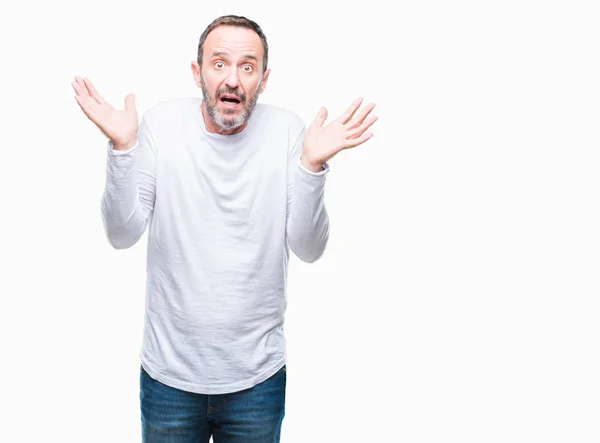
<point x="224" y="119"/>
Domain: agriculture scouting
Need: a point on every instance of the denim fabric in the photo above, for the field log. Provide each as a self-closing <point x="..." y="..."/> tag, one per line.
<point x="253" y="415"/>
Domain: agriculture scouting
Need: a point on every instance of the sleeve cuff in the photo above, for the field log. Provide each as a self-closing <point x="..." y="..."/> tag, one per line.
<point x="113" y="151"/>
<point x="323" y="172"/>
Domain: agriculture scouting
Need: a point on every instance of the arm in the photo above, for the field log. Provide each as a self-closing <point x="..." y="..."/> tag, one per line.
<point x="307" y="223"/>
<point x="128" y="198"/>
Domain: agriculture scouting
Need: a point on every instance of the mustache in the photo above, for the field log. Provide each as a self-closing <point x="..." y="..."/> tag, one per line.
<point x="232" y="91"/>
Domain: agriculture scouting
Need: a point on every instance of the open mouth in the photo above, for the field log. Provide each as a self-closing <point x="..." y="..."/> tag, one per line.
<point x="230" y="99"/>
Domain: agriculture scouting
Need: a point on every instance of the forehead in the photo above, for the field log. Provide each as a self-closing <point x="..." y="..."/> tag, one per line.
<point x="233" y="40"/>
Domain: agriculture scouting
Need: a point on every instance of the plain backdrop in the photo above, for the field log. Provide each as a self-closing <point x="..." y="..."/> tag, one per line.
<point x="458" y="298"/>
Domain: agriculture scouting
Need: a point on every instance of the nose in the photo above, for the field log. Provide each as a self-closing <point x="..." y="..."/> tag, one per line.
<point x="232" y="78"/>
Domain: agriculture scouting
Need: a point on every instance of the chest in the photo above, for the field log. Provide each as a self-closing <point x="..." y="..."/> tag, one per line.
<point x="245" y="184"/>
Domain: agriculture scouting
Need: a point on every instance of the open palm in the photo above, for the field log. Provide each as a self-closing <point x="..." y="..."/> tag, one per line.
<point x="119" y="126"/>
<point x="323" y="142"/>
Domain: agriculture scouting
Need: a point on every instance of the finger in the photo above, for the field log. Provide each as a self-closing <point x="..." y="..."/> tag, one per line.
<point x="82" y="102"/>
<point x="130" y="103"/>
<point x="360" y="118"/>
<point x="80" y="90"/>
<point x="346" y="116"/>
<point x="357" y="132"/>
<point x="76" y="88"/>
<point x="93" y="91"/>
<point x="83" y="95"/>
<point x="85" y="107"/>
<point x="83" y="90"/>
<point x="321" y="117"/>
<point x="358" y="141"/>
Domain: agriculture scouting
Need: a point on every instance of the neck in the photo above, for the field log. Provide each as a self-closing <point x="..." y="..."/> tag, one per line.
<point x="211" y="126"/>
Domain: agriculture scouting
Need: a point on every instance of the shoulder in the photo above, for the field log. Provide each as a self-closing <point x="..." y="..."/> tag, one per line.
<point x="280" y="116"/>
<point x="172" y="108"/>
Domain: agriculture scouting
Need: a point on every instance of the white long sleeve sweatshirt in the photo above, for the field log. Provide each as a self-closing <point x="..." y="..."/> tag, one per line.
<point x="222" y="212"/>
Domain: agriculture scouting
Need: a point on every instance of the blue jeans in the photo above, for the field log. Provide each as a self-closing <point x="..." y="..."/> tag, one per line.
<point x="253" y="415"/>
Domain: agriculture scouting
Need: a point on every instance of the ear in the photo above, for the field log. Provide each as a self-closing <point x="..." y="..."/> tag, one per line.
<point x="264" y="81"/>
<point x="196" y="73"/>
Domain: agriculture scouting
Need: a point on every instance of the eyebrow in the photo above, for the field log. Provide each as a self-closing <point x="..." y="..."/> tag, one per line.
<point x="225" y="55"/>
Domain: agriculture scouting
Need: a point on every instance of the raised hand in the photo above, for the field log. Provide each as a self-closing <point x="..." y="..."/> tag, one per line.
<point x="323" y="142"/>
<point x="119" y="126"/>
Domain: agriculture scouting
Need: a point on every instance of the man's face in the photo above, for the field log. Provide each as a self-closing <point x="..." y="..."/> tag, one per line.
<point x="231" y="76"/>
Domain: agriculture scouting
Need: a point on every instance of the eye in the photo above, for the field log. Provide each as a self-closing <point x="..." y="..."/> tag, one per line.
<point x="219" y="65"/>
<point x="247" y="68"/>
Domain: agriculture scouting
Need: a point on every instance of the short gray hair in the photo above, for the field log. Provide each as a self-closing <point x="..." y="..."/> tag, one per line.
<point x="235" y="20"/>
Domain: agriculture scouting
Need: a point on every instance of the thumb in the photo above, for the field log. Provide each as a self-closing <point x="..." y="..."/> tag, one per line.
<point x="130" y="103"/>
<point x="321" y="117"/>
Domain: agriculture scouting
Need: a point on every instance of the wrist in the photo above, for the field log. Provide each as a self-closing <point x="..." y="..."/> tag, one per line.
<point x="124" y="146"/>
<point x="313" y="166"/>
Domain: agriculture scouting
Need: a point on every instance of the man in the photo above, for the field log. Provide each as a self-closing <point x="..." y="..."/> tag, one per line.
<point x="226" y="187"/>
